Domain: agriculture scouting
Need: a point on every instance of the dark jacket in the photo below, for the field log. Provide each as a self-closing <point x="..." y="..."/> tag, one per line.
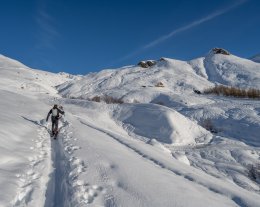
<point x="53" y="116"/>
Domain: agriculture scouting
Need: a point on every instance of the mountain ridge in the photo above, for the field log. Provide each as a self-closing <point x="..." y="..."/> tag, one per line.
<point x="176" y="75"/>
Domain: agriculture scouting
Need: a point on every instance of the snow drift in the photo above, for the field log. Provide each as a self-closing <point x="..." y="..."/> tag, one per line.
<point x="161" y="123"/>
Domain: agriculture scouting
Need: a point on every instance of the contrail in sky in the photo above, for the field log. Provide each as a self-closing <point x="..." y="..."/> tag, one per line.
<point x="46" y="23"/>
<point x="182" y="29"/>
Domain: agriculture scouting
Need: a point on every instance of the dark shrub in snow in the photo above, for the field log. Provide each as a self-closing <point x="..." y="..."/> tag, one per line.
<point x="112" y="100"/>
<point x="160" y="84"/>
<point x="96" y="99"/>
<point x="107" y="99"/>
<point x="197" y="91"/>
<point x="254" y="172"/>
<point x="232" y="91"/>
<point x="207" y="124"/>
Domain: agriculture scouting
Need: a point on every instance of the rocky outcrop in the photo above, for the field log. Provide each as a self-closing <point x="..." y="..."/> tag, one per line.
<point x="159" y="84"/>
<point x="147" y="63"/>
<point x="162" y="59"/>
<point x="220" y="51"/>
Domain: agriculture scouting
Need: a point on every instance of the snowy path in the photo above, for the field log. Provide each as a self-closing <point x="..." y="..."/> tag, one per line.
<point x="65" y="188"/>
<point x="32" y="181"/>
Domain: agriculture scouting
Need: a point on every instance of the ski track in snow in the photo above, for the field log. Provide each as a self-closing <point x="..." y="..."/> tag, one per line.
<point x="160" y="164"/>
<point x="65" y="188"/>
<point x="69" y="189"/>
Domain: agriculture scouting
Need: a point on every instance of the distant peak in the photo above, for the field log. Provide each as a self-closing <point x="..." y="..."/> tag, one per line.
<point x="256" y="58"/>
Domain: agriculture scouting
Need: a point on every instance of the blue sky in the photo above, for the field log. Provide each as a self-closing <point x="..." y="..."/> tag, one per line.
<point x="82" y="36"/>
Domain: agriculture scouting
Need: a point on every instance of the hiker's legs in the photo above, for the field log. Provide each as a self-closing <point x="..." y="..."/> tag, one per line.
<point x="52" y="127"/>
<point x="56" y="125"/>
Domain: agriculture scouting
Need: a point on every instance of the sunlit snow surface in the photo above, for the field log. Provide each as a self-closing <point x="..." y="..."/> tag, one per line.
<point x="150" y="151"/>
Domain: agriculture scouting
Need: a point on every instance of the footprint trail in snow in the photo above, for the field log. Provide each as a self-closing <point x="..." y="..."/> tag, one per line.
<point x="31" y="177"/>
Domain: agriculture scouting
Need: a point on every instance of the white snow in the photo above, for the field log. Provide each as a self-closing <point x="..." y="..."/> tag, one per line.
<point x="171" y="127"/>
<point x="232" y="70"/>
<point x="150" y="151"/>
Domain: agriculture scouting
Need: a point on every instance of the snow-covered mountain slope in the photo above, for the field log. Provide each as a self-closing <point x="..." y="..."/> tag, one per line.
<point x="135" y="83"/>
<point x="232" y="70"/>
<point x="256" y="58"/>
<point x="152" y="153"/>
<point x="16" y="77"/>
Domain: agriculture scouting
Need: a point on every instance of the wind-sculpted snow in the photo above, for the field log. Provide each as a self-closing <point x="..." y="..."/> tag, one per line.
<point x="161" y="123"/>
<point x="233" y="71"/>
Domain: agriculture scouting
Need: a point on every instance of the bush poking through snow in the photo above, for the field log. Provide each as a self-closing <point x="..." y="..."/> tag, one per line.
<point x="196" y="91"/>
<point x="107" y="99"/>
<point x="254" y="172"/>
<point x="160" y="84"/>
<point x="96" y="99"/>
<point x="112" y="100"/>
<point x="208" y="125"/>
<point x="232" y="91"/>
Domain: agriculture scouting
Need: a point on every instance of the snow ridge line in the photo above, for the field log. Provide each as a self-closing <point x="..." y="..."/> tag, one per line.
<point x="215" y="186"/>
<point x="69" y="189"/>
<point x="35" y="172"/>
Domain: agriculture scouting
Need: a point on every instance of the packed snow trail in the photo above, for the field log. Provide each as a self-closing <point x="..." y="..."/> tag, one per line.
<point x="32" y="180"/>
<point x="65" y="188"/>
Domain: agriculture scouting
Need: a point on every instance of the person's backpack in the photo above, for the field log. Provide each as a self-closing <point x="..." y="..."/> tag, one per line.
<point x="55" y="112"/>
